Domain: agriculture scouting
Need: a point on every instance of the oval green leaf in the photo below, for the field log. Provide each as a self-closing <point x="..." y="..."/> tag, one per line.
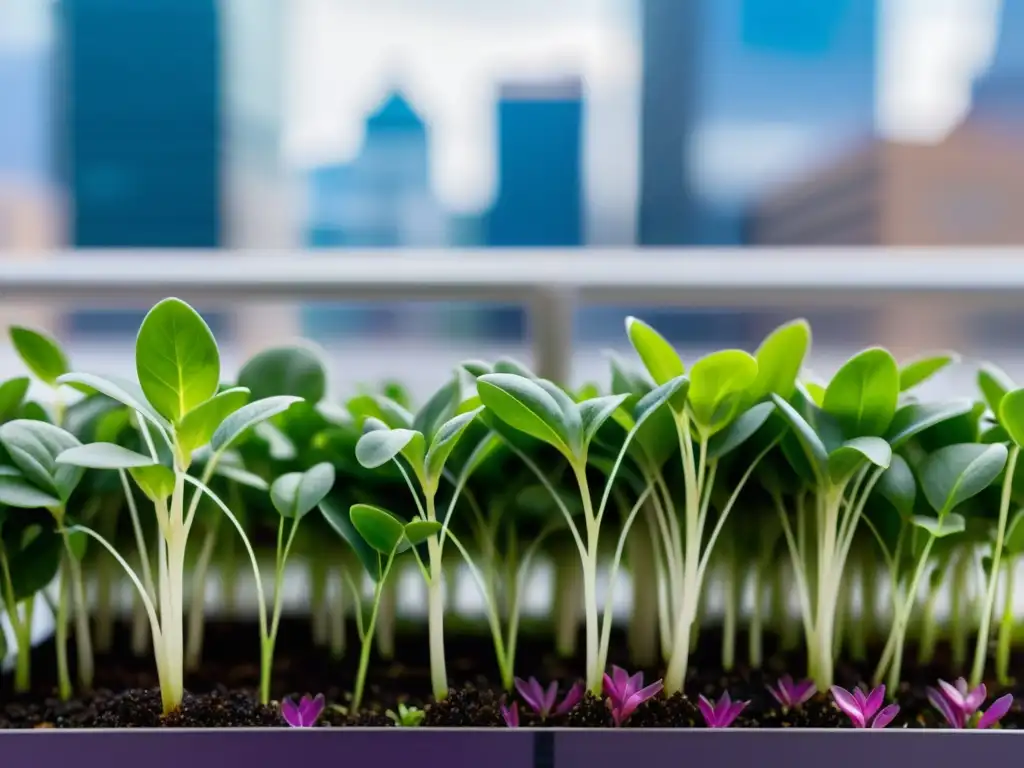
<point x="176" y="359"/>
<point x="809" y="441"/>
<point x="596" y="411"/>
<point x="249" y="416"/>
<point x="438" y="409"/>
<point x="12" y="394"/>
<point x="378" y="527"/>
<point x="718" y="388"/>
<point x="954" y="474"/>
<point x="863" y="394"/>
<point x="444" y="442"/>
<point x="418" y="531"/>
<point x="916" y="372"/>
<point x="17" y="492"/>
<point x="198" y="425"/>
<point x="40" y="352"/>
<point x="104" y="456"/>
<point x="34" y="447"/>
<point x="341" y="523"/>
<point x="658" y="356"/>
<point x="241" y="476"/>
<point x="914" y="418"/>
<point x="295" y="494"/>
<point x="780" y="359"/>
<point x="1011" y="415"/>
<point x="379" y="446"/>
<point x="898" y="486"/>
<point x="947" y="525"/>
<point x="156" y="481"/>
<point x="994" y="383"/>
<point x="740" y="430"/>
<point x="298" y="371"/>
<point x="849" y="457"/>
<point x="125" y="392"/>
<point x="525" y="406"/>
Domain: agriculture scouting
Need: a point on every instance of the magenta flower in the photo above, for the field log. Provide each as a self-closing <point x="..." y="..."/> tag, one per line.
<point x="958" y="704"/>
<point x="543" y="701"/>
<point x="305" y="713"/>
<point x="722" y="713"/>
<point x="625" y="693"/>
<point x="860" y="708"/>
<point x="511" y="714"/>
<point x="792" y="695"/>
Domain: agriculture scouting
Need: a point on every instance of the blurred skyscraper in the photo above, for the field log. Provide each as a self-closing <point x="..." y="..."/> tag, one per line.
<point x="382" y="198"/>
<point x="998" y="98"/>
<point x="141" y="137"/>
<point x="740" y="94"/>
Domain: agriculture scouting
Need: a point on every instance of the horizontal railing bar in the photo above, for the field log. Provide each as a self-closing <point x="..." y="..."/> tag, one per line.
<point x="764" y="277"/>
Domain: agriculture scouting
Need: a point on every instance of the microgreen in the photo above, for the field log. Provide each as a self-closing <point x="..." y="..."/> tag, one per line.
<point x="722" y="713"/>
<point x="625" y="693"/>
<point x="861" y="708"/>
<point x="958" y="703"/>
<point x="791" y="695"/>
<point x="303" y="714"/>
<point x="406" y="717"/>
<point x="543" y="700"/>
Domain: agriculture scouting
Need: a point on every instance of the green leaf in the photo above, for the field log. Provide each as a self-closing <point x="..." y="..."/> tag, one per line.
<point x="241" y="476"/>
<point x="34" y="447"/>
<point x="850" y="457"/>
<point x="954" y="474"/>
<point x="658" y="356"/>
<point x="197" y="427"/>
<point x="176" y="359"/>
<point x="526" y="406"/>
<point x="437" y="410"/>
<point x="12" y="394"/>
<point x="916" y="372"/>
<point x="912" y="419"/>
<point x="994" y="383"/>
<point x="657" y="397"/>
<point x="104" y="456"/>
<point x="125" y="392"/>
<point x="379" y="446"/>
<point x="156" y="481"/>
<point x="1014" y="542"/>
<point x="381" y="408"/>
<point x="514" y="367"/>
<point x="779" y="360"/>
<point x="809" y="441"/>
<point x="596" y="411"/>
<point x="249" y="416"/>
<point x="940" y="527"/>
<point x="418" y="531"/>
<point x="740" y="430"/>
<point x="378" y="527"/>
<point x="340" y="521"/>
<point x="40" y="352"/>
<point x="476" y="368"/>
<point x="15" y="491"/>
<point x="444" y="442"/>
<point x="898" y="486"/>
<point x="1011" y="415"/>
<point x="298" y="371"/>
<point x="862" y="396"/>
<point x="718" y="387"/>
<point x="296" y="493"/>
<point x="35" y="565"/>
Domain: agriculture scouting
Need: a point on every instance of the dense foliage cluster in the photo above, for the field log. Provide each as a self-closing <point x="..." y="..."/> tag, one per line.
<point x="853" y="495"/>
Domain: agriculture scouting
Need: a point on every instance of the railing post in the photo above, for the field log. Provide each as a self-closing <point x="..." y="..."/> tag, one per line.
<point x="551" y="313"/>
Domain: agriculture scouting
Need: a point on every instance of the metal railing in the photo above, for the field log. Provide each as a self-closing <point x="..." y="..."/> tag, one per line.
<point x="549" y="283"/>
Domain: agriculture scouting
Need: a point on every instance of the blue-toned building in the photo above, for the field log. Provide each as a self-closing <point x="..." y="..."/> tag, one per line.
<point x="140" y="151"/>
<point x="741" y="94"/>
<point x="381" y="199"/>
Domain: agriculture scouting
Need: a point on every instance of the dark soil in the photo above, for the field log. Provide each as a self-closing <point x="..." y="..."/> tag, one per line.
<point x="222" y="693"/>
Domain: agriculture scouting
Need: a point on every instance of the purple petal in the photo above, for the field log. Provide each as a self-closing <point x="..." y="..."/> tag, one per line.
<point x="781" y="695"/>
<point x="995" y="713"/>
<point x="974" y="700"/>
<point x="954" y="717"/>
<point x="609" y="688"/>
<point x="952" y="694"/>
<point x="707" y="711"/>
<point x="886" y="716"/>
<point x="962" y="687"/>
<point x="620" y="677"/>
<point x="634" y="684"/>
<point x="649" y="692"/>
<point x="734" y="712"/>
<point x="724" y="702"/>
<point x="290" y="713"/>
<point x="803" y="692"/>
<point x="874" y="702"/>
<point x="848" y="705"/>
<point x="550" y="696"/>
<point x="511" y="714"/>
<point x="310" y="709"/>
<point x="860" y="698"/>
<point x="572" y="698"/>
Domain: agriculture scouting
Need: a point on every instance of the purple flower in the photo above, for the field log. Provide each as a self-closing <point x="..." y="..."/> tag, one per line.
<point x="722" y="713"/>
<point x="860" y="708"/>
<point x="511" y="714"/>
<point x="305" y="713"/>
<point x="958" y="704"/>
<point x="625" y="693"/>
<point x="543" y="701"/>
<point x="792" y="695"/>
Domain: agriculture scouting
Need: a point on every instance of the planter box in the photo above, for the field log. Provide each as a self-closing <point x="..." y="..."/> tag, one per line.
<point x="492" y="748"/>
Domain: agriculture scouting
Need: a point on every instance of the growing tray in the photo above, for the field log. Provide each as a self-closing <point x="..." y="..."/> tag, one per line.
<point x="549" y="748"/>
